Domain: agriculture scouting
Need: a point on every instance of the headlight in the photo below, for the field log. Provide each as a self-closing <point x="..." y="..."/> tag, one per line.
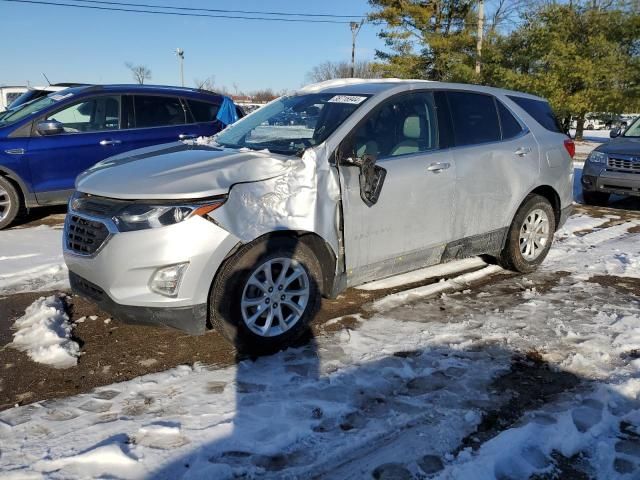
<point x="597" y="157"/>
<point x="141" y="216"/>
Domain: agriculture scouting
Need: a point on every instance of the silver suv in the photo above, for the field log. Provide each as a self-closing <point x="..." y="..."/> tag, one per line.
<point x="342" y="183"/>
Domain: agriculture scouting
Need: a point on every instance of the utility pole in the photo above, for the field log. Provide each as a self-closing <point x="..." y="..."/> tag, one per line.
<point x="355" y="29"/>
<point x="180" y="54"/>
<point x="480" y="34"/>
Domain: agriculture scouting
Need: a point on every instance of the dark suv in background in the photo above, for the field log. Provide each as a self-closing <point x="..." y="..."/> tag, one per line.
<point x="613" y="167"/>
<point x="46" y="143"/>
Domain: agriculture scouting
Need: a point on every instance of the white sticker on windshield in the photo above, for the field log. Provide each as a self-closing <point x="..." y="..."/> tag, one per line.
<point x="58" y="97"/>
<point x="352" y="99"/>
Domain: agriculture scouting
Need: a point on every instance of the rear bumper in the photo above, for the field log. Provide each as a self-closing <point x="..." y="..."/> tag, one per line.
<point x="191" y="319"/>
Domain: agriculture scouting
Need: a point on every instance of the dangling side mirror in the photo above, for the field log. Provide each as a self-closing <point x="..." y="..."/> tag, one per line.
<point x="371" y="180"/>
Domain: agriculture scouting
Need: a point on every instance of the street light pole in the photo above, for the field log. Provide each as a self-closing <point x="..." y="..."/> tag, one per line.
<point x="355" y="28"/>
<point x="180" y="54"/>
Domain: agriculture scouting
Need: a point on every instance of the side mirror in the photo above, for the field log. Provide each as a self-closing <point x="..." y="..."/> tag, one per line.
<point x="615" y="132"/>
<point x="50" y="127"/>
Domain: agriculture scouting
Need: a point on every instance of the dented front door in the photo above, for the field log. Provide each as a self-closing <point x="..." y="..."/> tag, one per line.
<point x="411" y="221"/>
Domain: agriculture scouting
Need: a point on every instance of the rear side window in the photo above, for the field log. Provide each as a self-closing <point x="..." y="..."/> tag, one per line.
<point x="157" y="111"/>
<point x="510" y="126"/>
<point x="475" y="118"/>
<point x="540" y="111"/>
<point x="203" y="111"/>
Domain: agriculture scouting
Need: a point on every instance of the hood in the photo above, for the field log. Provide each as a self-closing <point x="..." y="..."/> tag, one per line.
<point x="179" y="171"/>
<point x="621" y="145"/>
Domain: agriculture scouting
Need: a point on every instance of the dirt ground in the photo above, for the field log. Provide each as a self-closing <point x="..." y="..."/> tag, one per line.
<point x="112" y="351"/>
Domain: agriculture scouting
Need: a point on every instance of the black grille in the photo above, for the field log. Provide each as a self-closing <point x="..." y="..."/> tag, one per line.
<point x="623" y="164"/>
<point x="84" y="236"/>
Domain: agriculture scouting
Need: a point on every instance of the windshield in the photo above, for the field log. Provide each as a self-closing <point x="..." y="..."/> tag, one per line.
<point x="289" y="125"/>
<point x="27" y="109"/>
<point x="633" y="130"/>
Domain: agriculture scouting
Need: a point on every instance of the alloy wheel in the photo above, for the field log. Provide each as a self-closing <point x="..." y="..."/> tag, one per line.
<point x="534" y="234"/>
<point x="5" y="203"/>
<point x="275" y="297"/>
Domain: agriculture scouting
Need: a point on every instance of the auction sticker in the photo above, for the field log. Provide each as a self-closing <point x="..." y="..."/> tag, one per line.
<point x="352" y="99"/>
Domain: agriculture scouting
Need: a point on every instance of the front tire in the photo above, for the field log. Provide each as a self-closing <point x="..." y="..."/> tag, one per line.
<point x="9" y="203"/>
<point x="599" y="199"/>
<point x="265" y="296"/>
<point x="530" y="235"/>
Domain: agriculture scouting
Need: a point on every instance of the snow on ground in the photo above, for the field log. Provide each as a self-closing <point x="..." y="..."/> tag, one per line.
<point x="31" y="260"/>
<point x="44" y="332"/>
<point x="396" y="394"/>
<point x="442" y="270"/>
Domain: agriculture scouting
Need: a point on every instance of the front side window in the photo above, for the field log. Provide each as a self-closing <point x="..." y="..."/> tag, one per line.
<point x="401" y="126"/>
<point x="94" y="115"/>
<point x="291" y="124"/>
<point x="474" y="117"/>
<point x="158" y="111"/>
<point x="203" y="111"/>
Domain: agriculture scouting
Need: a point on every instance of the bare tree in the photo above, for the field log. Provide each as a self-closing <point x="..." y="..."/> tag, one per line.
<point x="330" y="70"/>
<point x="264" y="95"/>
<point x="140" y="72"/>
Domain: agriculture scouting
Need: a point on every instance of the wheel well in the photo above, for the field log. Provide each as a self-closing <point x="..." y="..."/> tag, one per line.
<point x="552" y="196"/>
<point x="323" y="251"/>
<point x="17" y="186"/>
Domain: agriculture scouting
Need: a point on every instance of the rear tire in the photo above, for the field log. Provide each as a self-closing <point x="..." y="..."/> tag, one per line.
<point x="10" y="203"/>
<point x="599" y="199"/>
<point x="530" y="235"/>
<point x="258" y="320"/>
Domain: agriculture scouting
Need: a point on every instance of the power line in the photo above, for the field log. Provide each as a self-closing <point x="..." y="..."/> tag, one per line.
<point x="219" y="10"/>
<point x="179" y="14"/>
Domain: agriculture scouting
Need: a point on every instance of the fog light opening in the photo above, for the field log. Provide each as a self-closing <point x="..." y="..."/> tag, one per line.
<point x="166" y="280"/>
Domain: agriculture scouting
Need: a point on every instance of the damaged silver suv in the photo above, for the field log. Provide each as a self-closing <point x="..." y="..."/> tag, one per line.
<point x="342" y="183"/>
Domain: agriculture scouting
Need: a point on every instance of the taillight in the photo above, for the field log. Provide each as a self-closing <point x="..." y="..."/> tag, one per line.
<point x="570" y="146"/>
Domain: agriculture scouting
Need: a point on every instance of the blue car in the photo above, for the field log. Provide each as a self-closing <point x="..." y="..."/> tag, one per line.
<point x="46" y="143"/>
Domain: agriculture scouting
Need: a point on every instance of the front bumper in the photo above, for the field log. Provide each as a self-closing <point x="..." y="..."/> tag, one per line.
<point x="192" y="320"/>
<point x="117" y="275"/>
<point x="601" y="179"/>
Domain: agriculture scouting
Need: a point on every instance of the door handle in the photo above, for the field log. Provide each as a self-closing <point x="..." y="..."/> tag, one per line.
<point x="110" y="142"/>
<point x="522" y="151"/>
<point x="186" y="136"/>
<point x="438" y="167"/>
<point x="15" y="151"/>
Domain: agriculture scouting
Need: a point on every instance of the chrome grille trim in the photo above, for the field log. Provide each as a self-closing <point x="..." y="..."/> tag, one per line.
<point x="626" y="163"/>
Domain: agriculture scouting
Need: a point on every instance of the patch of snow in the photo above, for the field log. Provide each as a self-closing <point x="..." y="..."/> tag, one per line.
<point x="414" y="294"/>
<point x="578" y="223"/>
<point x="44" y="332"/>
<point x="422" y="274"/>
<point x="607" y="251"/>
<point x="32" y="260"/>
